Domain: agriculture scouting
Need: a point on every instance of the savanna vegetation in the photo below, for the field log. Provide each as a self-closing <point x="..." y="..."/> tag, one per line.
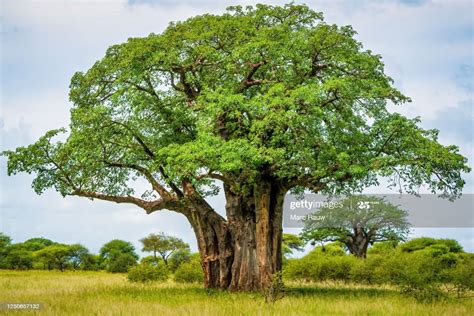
<point x="423" y="276"/>
<point x="424" y="268"/>
<point x="100" y="293"/>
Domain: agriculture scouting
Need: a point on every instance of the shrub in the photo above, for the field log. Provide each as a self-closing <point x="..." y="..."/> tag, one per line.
<point x="384" y="247"/>
<point x="320" y="265"/>
<point x="298" y="269"/>
<point x="189" y="272"/>
<point x="150" y="260"/>
<point x="460" y="279"/>
<point x="178" y="258"/>
<point x="416" y="274"/>
<point x="276" y="289"/>
<point x="146" y="273"/>
<point x="427" y="269"/>
<point x="121" y="263"/>
<point x="425" y="242"/>
<point x="368" y="271"/>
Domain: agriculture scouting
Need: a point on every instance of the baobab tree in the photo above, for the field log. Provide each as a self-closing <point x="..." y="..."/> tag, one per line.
<point x="260" y="100"/>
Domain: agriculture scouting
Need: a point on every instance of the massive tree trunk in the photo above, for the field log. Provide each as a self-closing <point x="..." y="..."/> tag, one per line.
<point x="241" y="252"/>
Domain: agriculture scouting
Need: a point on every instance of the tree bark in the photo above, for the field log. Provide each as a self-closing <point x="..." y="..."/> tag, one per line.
<point x="242" y="252"/>
<point x="358" y="243"/>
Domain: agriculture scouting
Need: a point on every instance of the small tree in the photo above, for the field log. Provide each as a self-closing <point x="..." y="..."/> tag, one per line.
<point x="56" y="255"/>
<point x="18" y="257"/>
<point x="163" y="244"/>
<point x="90" y="262"/>
<point x="360" y="221"/>
<point x="78" y="254"/>
<point x="118" y="255"/>
<point x="121" y="263"/>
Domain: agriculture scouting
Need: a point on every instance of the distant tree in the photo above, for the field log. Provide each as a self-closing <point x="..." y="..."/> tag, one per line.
<point x="5" y="242"/>
<point x="77" y="254"/>
<point x="56" y="255"/>
<point x="359" y="222"/>
<point x="34" y="244"/>
<point x="117" y="246"/>
<point x="118" y="255"/>
<point x="91" y="262"/>
<point x="121" y="263"/>
<point x="162" y="244"/>
<point x="291" y="243"/>
<point x="18" y="257"/>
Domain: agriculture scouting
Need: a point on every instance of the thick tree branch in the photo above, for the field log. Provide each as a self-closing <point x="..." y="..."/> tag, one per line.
<point x="249" y="81"/>
<point x="155" y="184"/>
<point x="213" y="175"/>
<point x="148" y="206"/>
<point x="169" y="181"/>
<point x="150" y="153"/>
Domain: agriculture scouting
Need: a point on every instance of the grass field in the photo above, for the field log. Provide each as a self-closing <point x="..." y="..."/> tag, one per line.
<point x="100" y="293"/>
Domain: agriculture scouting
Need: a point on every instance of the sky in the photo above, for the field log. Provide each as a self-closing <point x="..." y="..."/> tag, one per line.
<point x="427" y="47"/>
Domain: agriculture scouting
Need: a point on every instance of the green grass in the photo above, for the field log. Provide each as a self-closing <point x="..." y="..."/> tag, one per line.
<point x="101" y="293"/>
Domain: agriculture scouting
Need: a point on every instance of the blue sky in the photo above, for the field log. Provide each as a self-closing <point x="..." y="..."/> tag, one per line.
<point x="427" y="47"/>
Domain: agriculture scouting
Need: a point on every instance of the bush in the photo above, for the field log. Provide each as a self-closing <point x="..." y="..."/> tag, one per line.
<point x="121" y="263"/>
<point x="416" y="274"/>
<point x="189" y="272"/>
<point x="381" y="248"/>
<point x="427" y="269"/>
<point x="460" y="279"/>
<point x="178" y="258"/>
<point x="276" y="290"/>
<point x="320" y="265"/>
<point x="368" y="271"/>
<point x="146" y="273"/>
<point x="298" y="269"/>
<point x="426" y="242"/>
<point x="150" y="260"/>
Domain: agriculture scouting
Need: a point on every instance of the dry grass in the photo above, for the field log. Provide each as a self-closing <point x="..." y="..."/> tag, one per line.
<point x="100" y="293"/>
